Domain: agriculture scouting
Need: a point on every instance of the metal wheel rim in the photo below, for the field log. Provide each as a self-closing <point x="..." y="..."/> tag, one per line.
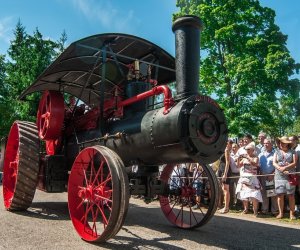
<point x="21" y="166"/>
<point x="95" y="194"/>
<point x="11" y="163"/>
<point x="178" y="208"/>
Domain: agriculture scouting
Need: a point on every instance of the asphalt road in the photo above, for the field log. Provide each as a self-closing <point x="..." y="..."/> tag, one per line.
<point x="46" y="225"/>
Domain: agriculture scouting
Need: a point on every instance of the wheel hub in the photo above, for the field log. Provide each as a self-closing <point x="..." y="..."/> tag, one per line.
<point x="14" y="166"/>
<point x="94" y="194"/>
<point x="187" y="191"/>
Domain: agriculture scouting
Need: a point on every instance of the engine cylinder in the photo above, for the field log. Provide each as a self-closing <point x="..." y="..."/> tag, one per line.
<point x="194" y="130"/>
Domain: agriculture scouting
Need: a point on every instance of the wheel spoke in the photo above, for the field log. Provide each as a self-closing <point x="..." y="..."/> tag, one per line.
<point x="103" y="183"/>
<point x="80" y="204"/>
<point x="97" y="174"/>
<point x="194" y="216"/>
<point x="47" y="104"/>
<point x="45" y="126"/>
<point x="197" y="175"/>
<point x="171" y="210"/>
<point x="85" y="177"/>
<point x="91" y="155"/>
<point x="87" y="209"/>
<point x="103" y="198"/>
<point x="101" y="175"/>
<point x="94" y="216"/>
<point x="179" y="212"/>
<point x="104" y="219"/>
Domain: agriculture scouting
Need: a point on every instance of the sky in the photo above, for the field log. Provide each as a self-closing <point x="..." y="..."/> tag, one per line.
<point x="149" y="19"/>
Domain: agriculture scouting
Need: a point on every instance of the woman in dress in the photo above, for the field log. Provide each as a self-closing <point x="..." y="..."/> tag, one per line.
<point x="284" y="162"/>
<point x="229" y="164"/>
<point x="248" y="188"/>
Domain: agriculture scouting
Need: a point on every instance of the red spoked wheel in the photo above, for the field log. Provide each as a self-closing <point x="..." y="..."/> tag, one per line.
<point x="50" y="116"/>
<point x="98" y="194"/>
<point x="191" y="199"/>
<point x="21" y="166"/>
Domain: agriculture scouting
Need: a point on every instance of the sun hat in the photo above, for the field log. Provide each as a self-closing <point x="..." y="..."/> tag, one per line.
<point x="284" y="139"/>
<point x="251" y="145"/>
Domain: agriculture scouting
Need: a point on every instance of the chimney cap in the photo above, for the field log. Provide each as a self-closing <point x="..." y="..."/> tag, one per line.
<point x="187" y="20"/>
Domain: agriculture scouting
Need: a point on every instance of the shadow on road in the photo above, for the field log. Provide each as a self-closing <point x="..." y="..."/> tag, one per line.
<point x="47" y="210"/>
<point x="220" y="232"/>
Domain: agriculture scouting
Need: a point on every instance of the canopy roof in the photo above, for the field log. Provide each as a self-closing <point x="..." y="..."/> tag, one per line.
<point x="78" y="70"/>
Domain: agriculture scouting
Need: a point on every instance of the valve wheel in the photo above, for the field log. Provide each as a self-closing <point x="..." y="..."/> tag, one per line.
<point x="191" y="200"/>
<point x="50" y="116"/>
<point x="21" y="166"/>
<point x="98" y="194"/>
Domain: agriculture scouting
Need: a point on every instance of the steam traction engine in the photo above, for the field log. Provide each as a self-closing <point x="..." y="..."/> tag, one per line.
<point x="102" y="134"/>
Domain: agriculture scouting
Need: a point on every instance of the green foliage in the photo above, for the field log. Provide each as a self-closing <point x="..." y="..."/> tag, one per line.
<point x="29" y="55"/>
<point x="247" y="66"/>
<point x="4" y="109"/>
<point x="296" y="127"/>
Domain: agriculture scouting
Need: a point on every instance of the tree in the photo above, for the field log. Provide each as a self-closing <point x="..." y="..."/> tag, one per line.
<point x="296" y="127"/>
<point x="246" y="64"/>
<point x="61" y="43"/>
<point x="4" y="109"/>
<point x="29" y="55"/>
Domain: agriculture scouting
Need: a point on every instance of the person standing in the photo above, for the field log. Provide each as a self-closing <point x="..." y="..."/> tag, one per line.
<point x="284" y="162"/>
<point x="246" y="140"/>
<point x="260" y="146"/>
<point x="197" y="182"/>
<point x="267" y="168"/>
<point x="235" y="174"/>
<point x="229" y="161"/>
<point x="248" y="188"/>
<point x="241" y="142"/>
<point x="296" y="147"/>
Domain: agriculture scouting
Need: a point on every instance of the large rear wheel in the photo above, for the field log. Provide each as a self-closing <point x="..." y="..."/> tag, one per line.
<point x="191" y="199"/>
<point x="21" y="166"/>
<point x="98" y="194"/>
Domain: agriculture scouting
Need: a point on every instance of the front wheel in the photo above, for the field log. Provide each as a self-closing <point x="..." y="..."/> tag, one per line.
<point x="192" y="197"/>
<point x="98" y="194"/>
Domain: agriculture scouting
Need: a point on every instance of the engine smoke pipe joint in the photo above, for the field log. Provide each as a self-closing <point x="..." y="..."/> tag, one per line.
<point x="157" y="90"/>
<point x="187" y="60"/>
<point x="168" y="99"/>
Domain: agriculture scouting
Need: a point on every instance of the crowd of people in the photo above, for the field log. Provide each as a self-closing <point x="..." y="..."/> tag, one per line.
<point x="265" y="175"/>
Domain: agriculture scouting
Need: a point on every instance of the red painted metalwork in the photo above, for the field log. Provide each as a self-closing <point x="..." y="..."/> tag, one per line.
<point x="51" y="146"/>
<point x="97" y="201"/>
<point x="11" y="164"/>
<point x="161" y="89"/>
<point x="50" y="116"/>
<point x="87" y="121"/>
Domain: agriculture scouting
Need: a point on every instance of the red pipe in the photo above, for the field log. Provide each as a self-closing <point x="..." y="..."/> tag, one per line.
<point x="161" y="89"/>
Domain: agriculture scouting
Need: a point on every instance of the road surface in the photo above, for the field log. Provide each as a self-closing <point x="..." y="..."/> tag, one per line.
<point x="46" y="225"/>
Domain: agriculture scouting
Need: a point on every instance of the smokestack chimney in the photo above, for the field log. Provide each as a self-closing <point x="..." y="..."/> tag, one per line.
<point x="187" y="42"/>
